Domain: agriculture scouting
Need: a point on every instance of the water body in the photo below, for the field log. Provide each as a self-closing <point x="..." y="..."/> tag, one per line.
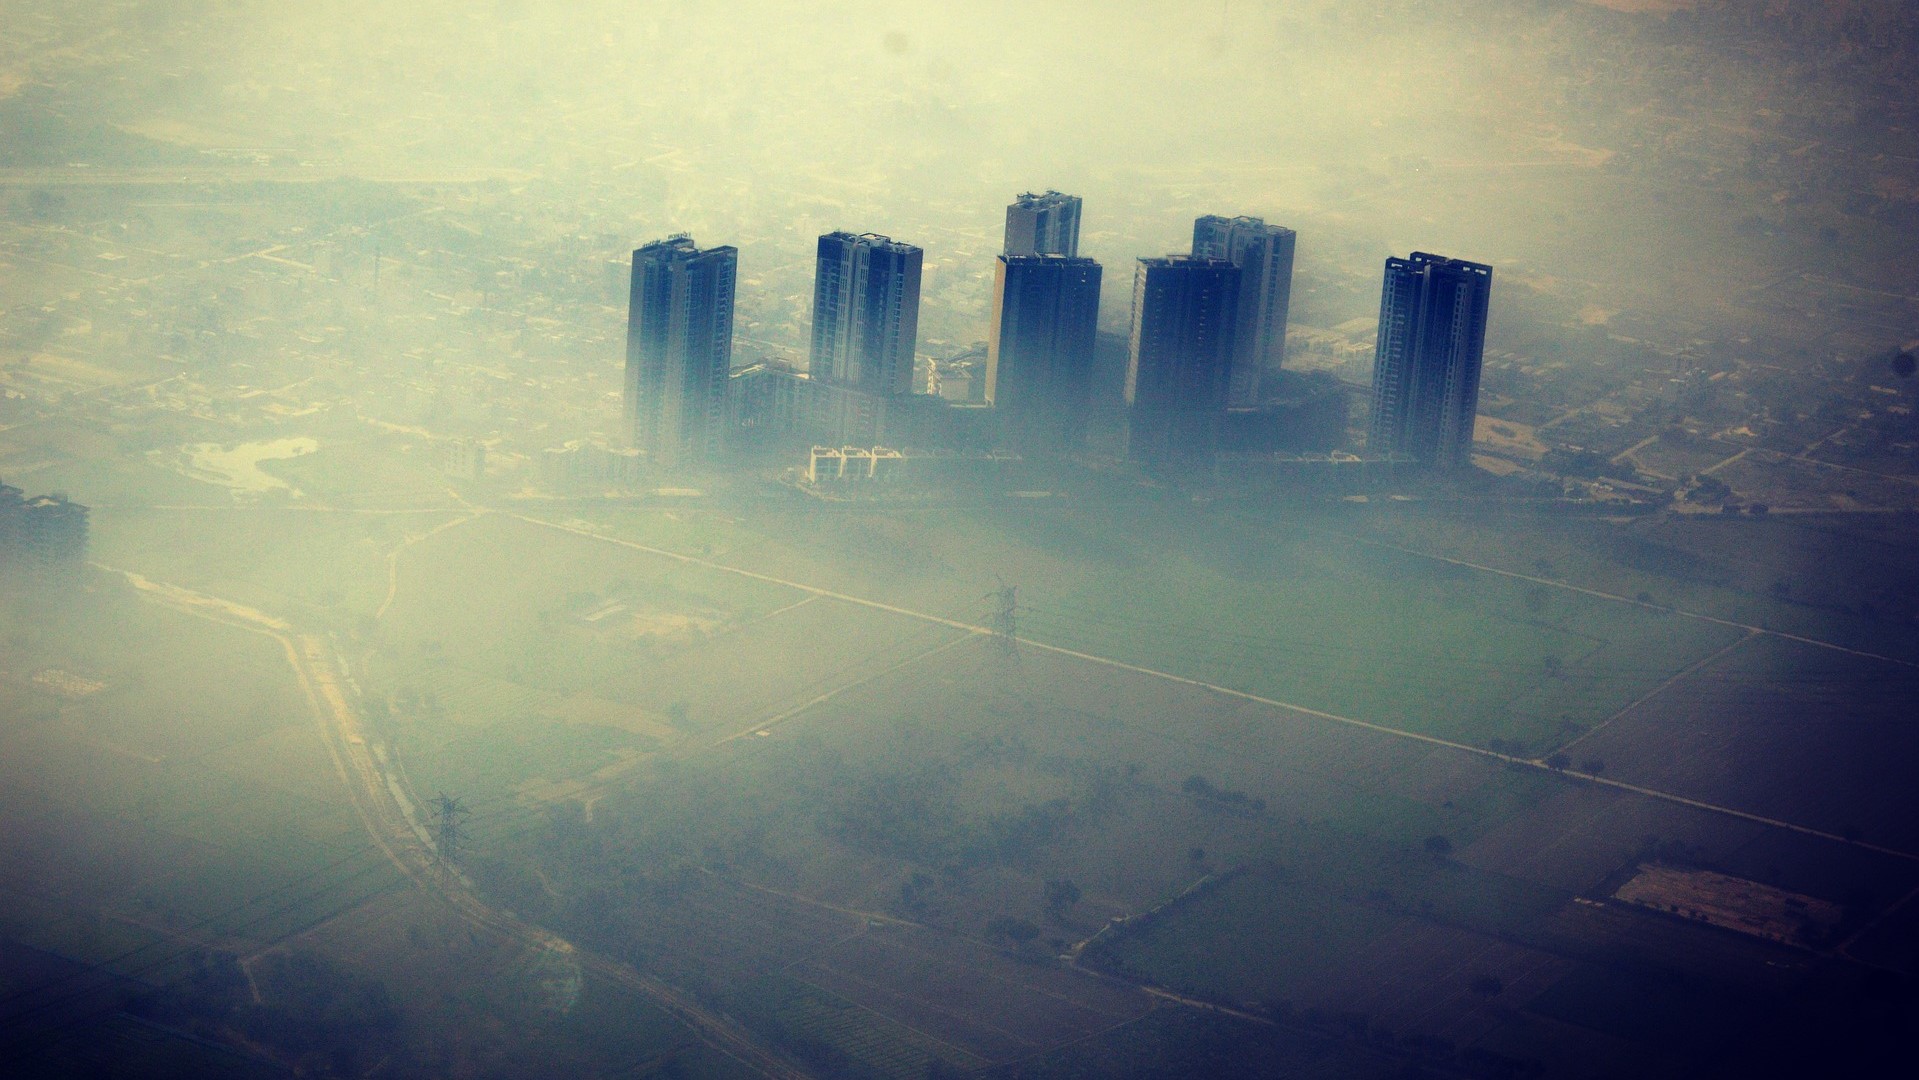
<point x="238" y="467"/>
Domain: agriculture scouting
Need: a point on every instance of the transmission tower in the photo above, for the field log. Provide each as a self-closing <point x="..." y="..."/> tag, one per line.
<point x="448" y="815"/>
<point x="1005" y="624"/>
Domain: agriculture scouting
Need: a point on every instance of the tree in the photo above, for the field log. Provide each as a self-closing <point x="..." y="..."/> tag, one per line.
<point x="1061" y="894"/>
<point x="1439" y="846"/>
<point x="1553" y="665"/>
<point x="1558" y="761"/>
<point x="1018" y="931"/>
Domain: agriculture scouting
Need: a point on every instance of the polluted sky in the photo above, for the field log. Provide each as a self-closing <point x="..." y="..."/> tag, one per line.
<point x="1485" y="128"/>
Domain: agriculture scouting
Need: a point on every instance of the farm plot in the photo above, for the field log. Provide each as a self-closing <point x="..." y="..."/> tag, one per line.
<point x="1833" y="579"/>
<point x="831" y="1032"/>
<point x="770" y="670"/>
<point x="1772" y="478"/>
<point x="1733" y="903"/>
<point x="1271" y="608"/>
<point x="1383" y="637"/>
<point x="1785" y="730"/>
<point x="120" y="482"/>
<point x="1682" y="455"/>
<point x="178" y="803"/>
<point x="370" y="473"/>
<point x="549" y="1017"/>
<point x="281" y="561"/>
<point x="1441" y="981"/>
<point x="1294" y="923"/>
<point x="512" y="599"/>
<point x="809" y="972"/>
<point x="1132" y="785"/>
<point x="968" y="996"/>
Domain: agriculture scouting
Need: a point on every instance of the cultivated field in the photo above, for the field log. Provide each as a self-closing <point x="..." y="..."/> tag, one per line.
<point x="1289" y="765"/>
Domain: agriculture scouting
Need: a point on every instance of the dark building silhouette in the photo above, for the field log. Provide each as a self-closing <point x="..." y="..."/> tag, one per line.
<point x="1043" y="225"/>
<point x="41" y="533"/>
<point x="866" y="310"/>
<point x="1185" y="316"/>
<point x="776" y="408"/>
<point x="1299" y="413"/>
<point x="679" y="348"/>
<point x="1264" y="255"/>
<point x="1432" y="332"/>
<point x="1039" y="349"/>
<point x="777" y="411"/>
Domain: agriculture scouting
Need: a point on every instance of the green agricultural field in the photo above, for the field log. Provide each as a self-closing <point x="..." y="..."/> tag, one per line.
<point x="128" y="483"/>
<point x="285" y="562"/>
<point x="1381" y="637"/>
<point x="174" y="777"/>
<point x="1173" y="1044"/>
<point x="1295" y="919"/>
<point x="1280" y="609"/>
<point x="361" y="472"/>
<point x="832" y="1034"/>
<point x="516" y="600"/>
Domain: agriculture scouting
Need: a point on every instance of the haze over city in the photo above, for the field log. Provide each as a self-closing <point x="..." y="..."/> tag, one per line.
<point x="906" y="540"/>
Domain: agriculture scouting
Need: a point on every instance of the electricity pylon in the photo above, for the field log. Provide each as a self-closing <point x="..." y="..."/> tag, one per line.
<point x="448" y="834"/>
<point x="1005" y="623"/>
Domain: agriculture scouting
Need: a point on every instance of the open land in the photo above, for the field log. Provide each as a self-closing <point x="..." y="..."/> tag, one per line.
<point x="863" y="821"/>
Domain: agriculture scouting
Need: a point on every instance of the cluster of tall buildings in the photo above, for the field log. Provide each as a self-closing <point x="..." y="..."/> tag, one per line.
<point x="1207" y="329"/>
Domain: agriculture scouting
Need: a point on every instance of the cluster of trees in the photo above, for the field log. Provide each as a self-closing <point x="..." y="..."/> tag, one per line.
<point x="1225" y="798"/>
<point x="322" y="1019"/>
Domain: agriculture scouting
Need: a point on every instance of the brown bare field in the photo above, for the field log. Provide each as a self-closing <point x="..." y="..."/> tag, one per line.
<point x="1734" y="903"/>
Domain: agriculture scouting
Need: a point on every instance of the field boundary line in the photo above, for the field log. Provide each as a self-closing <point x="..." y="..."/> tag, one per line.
<point x="1603" y="595"/>
<point x="851" y="913"/>
<point x="762" y="726"/>
<point x="872" y="1011"/>
<point x="1844" y="948"/>
<point x="1661" y="688"/>
<point x="770" y="579"/>
<point x="393" y="558"/>
<point x="1367" y="725"/>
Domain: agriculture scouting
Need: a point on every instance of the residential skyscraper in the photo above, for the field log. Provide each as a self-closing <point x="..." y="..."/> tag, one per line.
<point x="1432" y="333"/>
<point x="1043" y="225"/>
<point x="866" y="311"/>
<point x="1039" y="349"/>
<point x="679" y="347"/>
<point x="1264" y="255"/>
<point x="1185" y="317"/>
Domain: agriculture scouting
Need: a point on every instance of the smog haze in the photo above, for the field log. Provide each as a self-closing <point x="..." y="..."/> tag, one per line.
<point x="907" y="540"/>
